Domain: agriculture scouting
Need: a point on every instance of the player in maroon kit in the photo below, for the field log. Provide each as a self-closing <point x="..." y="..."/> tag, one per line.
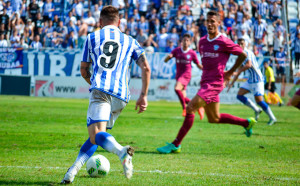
<point x="184" y="57"/>
<point x="296" y="98"/>
<point x="215" y="50"/>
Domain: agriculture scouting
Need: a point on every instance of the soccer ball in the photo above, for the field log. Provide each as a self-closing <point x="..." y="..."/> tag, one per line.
<point x="97" y="166"/>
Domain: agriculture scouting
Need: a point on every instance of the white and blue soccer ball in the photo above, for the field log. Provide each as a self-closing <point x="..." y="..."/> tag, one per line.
<point x="97" y="166"/>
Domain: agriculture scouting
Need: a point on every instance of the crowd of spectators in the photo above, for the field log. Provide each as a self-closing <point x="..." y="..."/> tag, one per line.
<point x="158" y="25"/>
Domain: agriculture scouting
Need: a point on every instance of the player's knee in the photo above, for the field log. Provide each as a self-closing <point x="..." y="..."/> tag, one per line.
<point x="93" y="140"/>
<point x="294" y="103"/>
<point x="214" y="120"/>
<point x="190" y="109"/>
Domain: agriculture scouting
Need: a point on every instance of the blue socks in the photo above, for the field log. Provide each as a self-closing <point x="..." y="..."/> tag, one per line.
<point x="247" y="102"/>
<point x="88" y="148"/>
<point x="103" y="139"/>
<point x="108" y="142"/>
<point x="263" y="105"/>
<point x="267" y="109"/>
<point x="243" y="99"/>
<point x="86" y="151"/>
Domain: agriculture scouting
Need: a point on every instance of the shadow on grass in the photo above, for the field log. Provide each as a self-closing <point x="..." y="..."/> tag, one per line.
<point x="27" y="183"/>
<point x="147" y="152"/>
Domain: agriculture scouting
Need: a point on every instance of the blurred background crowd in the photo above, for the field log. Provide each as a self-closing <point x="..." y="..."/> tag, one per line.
<point x="158" y="25"/>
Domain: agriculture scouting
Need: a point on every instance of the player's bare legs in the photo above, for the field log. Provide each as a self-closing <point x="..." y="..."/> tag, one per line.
<point x="192" y="107"/>
<point x="259" y="100"/>
<point x="213" y="115"/>
<point x="240" y="96"/>
<point x="97" y="131"/>
<point x="99" y="136"/>
<point x="181" y="93"/>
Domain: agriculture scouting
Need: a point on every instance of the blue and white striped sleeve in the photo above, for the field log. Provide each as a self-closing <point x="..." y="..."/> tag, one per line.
<point x="137" y="50"/>
<point x="247" y="59"/>
<point x="86" y="53"/>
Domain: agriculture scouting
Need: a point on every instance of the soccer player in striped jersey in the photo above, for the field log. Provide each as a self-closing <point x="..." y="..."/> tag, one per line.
<point x="254" y="84"/>
<point x="262" y="9"/>
<point x="184" y="57"/>
<point x="260" y="29"/>
<point x="215" y="50"/>
<point x="110" y="52"/>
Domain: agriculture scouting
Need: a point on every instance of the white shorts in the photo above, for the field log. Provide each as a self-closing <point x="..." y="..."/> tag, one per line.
<point x="256" y="88"/>
<point x="104" y="107"/>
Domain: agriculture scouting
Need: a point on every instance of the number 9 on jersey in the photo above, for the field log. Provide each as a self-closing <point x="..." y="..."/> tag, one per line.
<point x="110" y="55"/>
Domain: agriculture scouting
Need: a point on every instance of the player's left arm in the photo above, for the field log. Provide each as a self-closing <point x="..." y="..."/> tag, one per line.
<point x="237" y="74"/>
<point x="196" y="61"/>
<point x="85" y="71"/>
<point x="142" y="102"/>
<point x="241" y="57"/>
<point x="199" y="66"/>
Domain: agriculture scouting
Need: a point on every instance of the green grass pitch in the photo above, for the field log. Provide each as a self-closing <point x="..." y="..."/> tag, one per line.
<point x="40" y="139"/>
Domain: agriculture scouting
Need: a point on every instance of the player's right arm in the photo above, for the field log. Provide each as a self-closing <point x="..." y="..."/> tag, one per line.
<point x="170" y="56"/>
<point x="85" y="71"/>
<point x="142" y="102"/>
<point x="85" y="62"/>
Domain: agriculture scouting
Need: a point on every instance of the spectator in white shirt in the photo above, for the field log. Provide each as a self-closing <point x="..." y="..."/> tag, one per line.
<point x="119" y="4"/>
<point x="123" y="23"/>
<point x="90" y="21"/>
<point x="141" y="37"/>
<point x="15" y="39"/>
<point x="246" y="37"/>
<point x="278" y="42"/>
<point x="275" y="11"/>
<point x="96" y="12"/>
<point x="36" y="44"/>
<point x="78" y="9"/>
<point x="148" y="48"/>
<point x="280" y="27"/>
<point x="162" y="40"/>
<point x="143" y="7"/>
<point x="3" y="41"/>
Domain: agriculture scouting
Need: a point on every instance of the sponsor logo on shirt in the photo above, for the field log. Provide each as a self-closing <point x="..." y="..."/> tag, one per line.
<point x="216" y="47"/>
<point x="182" y="61"/>
<point x="210" y="54"/>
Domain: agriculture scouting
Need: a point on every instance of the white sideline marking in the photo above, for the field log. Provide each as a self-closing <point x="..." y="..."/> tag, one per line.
<point x="162" y="172"/>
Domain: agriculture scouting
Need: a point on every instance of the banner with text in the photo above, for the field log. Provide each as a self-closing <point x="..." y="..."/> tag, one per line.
<point x="64" y="63"/>
<point x="11" y="58"/>
<point x="159" y="89"/>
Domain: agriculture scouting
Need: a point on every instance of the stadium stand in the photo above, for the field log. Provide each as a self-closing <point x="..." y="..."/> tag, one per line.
<point x="66" y="23"/>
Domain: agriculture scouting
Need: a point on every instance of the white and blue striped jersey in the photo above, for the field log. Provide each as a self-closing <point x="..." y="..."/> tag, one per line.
<point x="259" y="30"/>
<point x="111" y="53"/>
<point x="262" y="8"/>
<point x="253" y="73"/>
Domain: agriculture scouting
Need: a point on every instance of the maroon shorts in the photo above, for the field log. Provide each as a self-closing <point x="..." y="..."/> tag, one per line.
<point x="298" y="93"/>
<point x="183" y="80"/>
<point x="210" y="92"/>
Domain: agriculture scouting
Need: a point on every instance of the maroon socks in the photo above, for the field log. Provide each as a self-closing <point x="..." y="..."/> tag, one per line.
<point x="230" y="119"/>
<point x="186" y="126"/>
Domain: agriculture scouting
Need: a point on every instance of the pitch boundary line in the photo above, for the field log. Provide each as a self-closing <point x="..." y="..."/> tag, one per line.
<point x="161" y="172"/>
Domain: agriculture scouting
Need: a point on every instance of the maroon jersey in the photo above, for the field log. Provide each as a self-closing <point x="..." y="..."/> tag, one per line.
<point x="183" y="63"/>
<point x="214" y="56"/>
